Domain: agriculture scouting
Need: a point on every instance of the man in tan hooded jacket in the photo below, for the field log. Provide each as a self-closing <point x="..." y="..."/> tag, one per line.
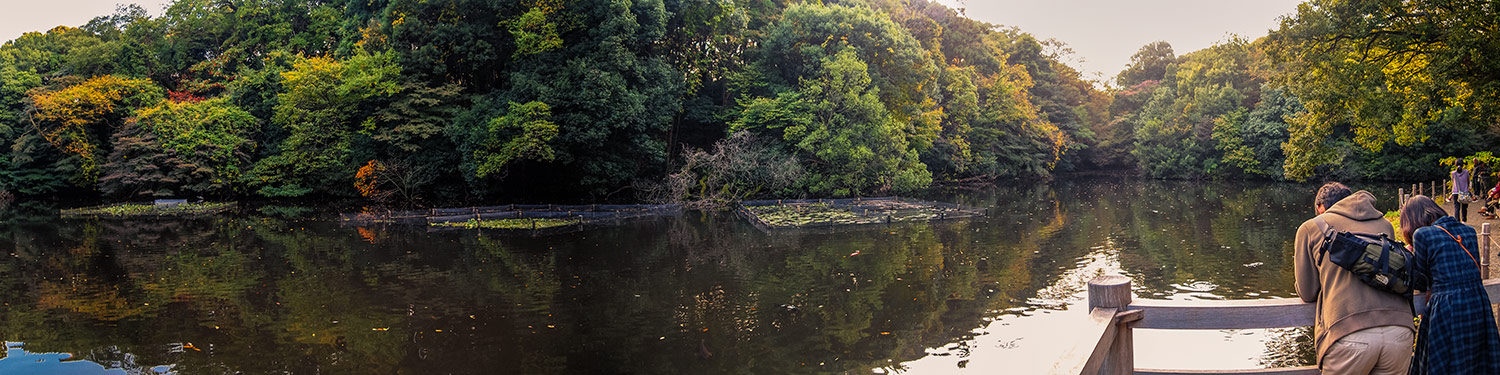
<point x="1358" y="330"/>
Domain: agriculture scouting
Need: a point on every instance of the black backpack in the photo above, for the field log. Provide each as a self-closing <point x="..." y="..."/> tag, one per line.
<point x="1378" y="260"/>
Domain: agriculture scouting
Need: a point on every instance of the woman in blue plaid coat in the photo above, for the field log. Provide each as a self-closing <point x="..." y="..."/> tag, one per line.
<point x="1457" y="334"/>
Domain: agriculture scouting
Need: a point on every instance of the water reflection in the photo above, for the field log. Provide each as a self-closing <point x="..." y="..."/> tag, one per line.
<point x="19" y="361"/>
<point x="280" y="290"/>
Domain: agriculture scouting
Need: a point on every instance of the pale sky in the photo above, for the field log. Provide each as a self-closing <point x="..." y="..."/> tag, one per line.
<point x="1104" y="33"/>
<point x="21" y="16"/>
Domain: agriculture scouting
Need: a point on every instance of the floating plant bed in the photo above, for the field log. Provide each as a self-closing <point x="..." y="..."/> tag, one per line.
<point x="803" y="213"/>
<point x="151" y="209"/>
<point x="543" y="223"/>
<point x="530" y="220"/>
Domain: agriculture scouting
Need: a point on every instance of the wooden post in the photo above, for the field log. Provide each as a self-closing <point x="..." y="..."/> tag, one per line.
<point x="1484" y="250"/>
<point x="1400" y="198"/>
<point x="1113" y="292"/>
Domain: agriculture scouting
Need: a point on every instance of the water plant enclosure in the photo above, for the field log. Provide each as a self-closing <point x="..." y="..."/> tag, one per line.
<point x="520" y="219"/>
<point x="812" y="213"/>
<point x="161" y="207"/>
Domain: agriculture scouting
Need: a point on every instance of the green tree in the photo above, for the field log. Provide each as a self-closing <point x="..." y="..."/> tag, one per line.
<point x="177" y="148"/>
<point x="466" y="42"/>
<point x="1384" y="73"/>
<point x="612" y="94"/>
<point x="1147" y="64"/>
<point x="46" y="53"/>
<point x="837" y="122"/>
<point x="1175" y="126"/>
<point x="18" y="170"/>
<point x="809" y="35"/>
<point x="991" y="125"/>
<point x="1251" y="140"/>
<point x="522" y="133"/>
<point x="325" y="104"/>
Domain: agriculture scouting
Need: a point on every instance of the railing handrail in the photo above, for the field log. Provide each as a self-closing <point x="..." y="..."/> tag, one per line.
<point x="1240" y="314"/>
<point x="1229" y="314"/>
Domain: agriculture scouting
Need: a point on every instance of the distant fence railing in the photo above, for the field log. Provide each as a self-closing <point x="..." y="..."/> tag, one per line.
<point x="1108" y="347"/>
<point x="1430" y="189"/>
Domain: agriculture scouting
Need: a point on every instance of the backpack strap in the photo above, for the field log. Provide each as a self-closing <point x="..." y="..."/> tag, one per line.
<point x="1322" y="245"/>
<point x="1461" y="244"/>
<point x="1385" y="254"/>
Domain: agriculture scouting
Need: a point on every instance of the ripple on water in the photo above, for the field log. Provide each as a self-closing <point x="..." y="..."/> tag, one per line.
<point x="1196" y="286"/>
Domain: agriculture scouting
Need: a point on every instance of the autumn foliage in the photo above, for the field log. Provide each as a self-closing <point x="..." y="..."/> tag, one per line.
<point x="367" y="179"/>
<point x="78" y="118"/>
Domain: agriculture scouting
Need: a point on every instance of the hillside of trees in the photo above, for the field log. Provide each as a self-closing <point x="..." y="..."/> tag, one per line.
<point x="710" y="100"/>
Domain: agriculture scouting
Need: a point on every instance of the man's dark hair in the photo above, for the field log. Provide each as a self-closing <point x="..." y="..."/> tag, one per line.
<point x="1331" y="193"/>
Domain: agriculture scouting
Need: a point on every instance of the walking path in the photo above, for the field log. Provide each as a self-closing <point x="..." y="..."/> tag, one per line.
<point x="1477" y="221"/>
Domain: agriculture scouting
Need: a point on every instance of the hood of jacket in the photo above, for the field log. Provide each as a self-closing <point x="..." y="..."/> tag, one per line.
<point x="1359" y="206"/>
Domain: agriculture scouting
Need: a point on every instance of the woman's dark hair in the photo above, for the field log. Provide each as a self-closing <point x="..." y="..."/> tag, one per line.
<point x="1419" y="211"/>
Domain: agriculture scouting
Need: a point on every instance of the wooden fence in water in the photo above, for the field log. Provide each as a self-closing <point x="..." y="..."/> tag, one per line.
<point x="1108" y="347"/>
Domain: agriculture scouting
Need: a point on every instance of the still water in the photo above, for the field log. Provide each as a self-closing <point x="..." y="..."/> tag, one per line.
<point x="291" y="290"/>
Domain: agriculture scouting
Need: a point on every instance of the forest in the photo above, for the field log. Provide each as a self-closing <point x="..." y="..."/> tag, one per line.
<point x="712" y="101"/>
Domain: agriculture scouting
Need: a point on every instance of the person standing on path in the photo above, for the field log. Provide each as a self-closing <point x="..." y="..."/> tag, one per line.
<point x="1460" y="176"/>
<point x="1458" y="333"/>
<point x="1358" y="329"/>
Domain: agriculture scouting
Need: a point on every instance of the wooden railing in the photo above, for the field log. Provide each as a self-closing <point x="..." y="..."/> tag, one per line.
<point x="1107" y="345"/>
<point x="1430" y="189"/>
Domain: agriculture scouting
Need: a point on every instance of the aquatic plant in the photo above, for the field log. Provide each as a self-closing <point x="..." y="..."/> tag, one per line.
<point x="868" y="212"/>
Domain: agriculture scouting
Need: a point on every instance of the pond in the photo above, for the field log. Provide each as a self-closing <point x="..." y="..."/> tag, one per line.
<point x="288" y="290"/>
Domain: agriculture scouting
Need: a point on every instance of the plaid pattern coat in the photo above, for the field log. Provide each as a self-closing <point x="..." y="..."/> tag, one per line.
<point x="1457" y="334"/>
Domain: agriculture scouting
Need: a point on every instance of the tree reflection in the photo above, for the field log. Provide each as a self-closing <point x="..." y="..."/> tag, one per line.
<point x="702" y="293"/>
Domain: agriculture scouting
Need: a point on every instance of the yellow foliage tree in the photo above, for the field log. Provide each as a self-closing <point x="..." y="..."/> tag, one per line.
<point x="77" y="118"/>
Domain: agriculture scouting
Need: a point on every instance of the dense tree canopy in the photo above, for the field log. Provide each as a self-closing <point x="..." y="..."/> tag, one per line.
<point x="1400" y="74"/>
<point x="556" y="99"/>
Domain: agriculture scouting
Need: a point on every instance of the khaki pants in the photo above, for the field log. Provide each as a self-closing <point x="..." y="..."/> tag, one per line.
<point x="1376" y="351"/>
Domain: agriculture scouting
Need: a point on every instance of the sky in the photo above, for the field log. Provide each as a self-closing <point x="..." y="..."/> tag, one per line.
<point x="21" y="16"/>
<point x="1104" y="33"/>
